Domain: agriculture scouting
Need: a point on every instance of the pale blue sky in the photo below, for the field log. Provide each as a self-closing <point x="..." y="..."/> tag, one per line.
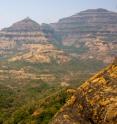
<point x="47" y="11"/>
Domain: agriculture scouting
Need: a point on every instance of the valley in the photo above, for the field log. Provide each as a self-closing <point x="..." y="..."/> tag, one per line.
<point x="40" y="64"/>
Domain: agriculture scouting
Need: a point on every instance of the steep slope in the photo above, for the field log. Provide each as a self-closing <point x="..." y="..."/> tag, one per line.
<point x="50" y="33"/>
<point x="41" y="110"/>
<point x="29" y="43"/>
<point x="27" y="56"/>
<point x="24" y="30"/>
<point x="25" y="25"/>
<point x="92" y="20"/>
<point x="92" y="32"/>
<point x="42" y="53"/>
<point x="95" y="102"/>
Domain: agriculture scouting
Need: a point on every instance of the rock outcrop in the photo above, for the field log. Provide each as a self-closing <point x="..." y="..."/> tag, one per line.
<point x="94" y="32"/>
<point x="25" y="25"/>
<point x="41" y="53"/>
<point x="88" y="21"/>
<point x="24" y="30"/>
<point x="95" y="102"/>
<point x="30" y="44"/>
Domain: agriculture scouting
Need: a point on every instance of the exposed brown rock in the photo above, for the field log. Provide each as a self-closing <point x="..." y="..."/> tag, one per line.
<point x="93" y="31"/>
<point x="25" y="25"/>
<point x="95" y="102"/>
<point x="24" y="30"/>
<point x="42" y="53"/>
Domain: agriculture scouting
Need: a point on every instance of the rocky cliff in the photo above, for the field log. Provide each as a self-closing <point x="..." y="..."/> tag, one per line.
<point x="24" y="30"/>
<point x="93" y="31"/>
<point x="26" y="39"/>
<point x="88" y="21"/>
<point x="25" y="25"/>
<point x="95" y="102"/>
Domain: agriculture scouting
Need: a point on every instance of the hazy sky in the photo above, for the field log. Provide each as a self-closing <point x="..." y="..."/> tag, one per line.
<point x="47" y="11"/>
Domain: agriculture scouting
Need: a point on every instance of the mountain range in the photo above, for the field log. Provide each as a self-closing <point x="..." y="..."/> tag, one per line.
<point x="43" y="67"/>
<point x="90" y="34"/>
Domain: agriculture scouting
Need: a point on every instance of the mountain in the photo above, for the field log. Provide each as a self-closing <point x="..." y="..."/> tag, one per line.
<point x="54" y="56"/>
<point x="27" y="55"/>
<point x="24" y="30"/>
<point x="50" y="33"/>
<point x="13" y="38"/>
<point x="25" y="25"/>
<point x="41" y="66"/>
<point x="88" y="35"/>
<point x="88" y="21"/>
<point x="27" y="37"/>
<point x="94" y="102"/>
<point x="73" y="53"/>
<point x="91" y="32"/>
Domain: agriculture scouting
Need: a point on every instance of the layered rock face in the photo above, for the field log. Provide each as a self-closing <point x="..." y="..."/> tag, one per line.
<point x="94" y="21"/>
<point x="6" y="46"/>
<point x="13" y="38"/>
<point x="95" y="102"/>
<point x="28" y="43"/>
<point x="94" y="31"/>
<point x="23" y="36"/>
<point x="24" y="30"/>
<point x="25" y="25"/>
<point x="41" y="53"/>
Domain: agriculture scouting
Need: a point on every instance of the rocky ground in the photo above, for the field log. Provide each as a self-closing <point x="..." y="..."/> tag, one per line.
<point x="95" y="102"/>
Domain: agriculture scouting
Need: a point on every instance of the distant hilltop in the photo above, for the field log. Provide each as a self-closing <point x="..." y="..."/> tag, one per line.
<point x="25" y="25"/>
<point x="93" y="32"/>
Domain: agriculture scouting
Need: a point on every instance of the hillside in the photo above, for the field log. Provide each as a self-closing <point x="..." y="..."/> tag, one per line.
<point x="25" y="25"/>
<point x="29" y="43"/>
<point x="88" y="35"/>
<point x="91" y="34"/>
<point x="41" y="66"/>
<point x="95" y="102"/>
<point x="24" y="30"/>
<point x="28" y="110"/>
<point x="92" y="20"/>
<point x="29" y="55"/>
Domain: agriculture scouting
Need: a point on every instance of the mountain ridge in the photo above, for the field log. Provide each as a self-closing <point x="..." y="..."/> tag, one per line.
<point x="94" y="102"/>
<point x="41" y="68"/>
<point x="88" y="31"/>
<point x="26" y="25"/>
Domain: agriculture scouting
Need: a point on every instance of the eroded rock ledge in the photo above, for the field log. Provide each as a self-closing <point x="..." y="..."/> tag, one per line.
<point x="95" y="102"/>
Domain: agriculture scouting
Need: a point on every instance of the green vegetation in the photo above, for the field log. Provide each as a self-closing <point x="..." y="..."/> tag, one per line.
<point x="37" y="111"/>
<point x="36" y="101"/>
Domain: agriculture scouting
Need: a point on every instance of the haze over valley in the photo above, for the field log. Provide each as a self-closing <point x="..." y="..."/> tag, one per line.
<point x="43" y="68"/>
